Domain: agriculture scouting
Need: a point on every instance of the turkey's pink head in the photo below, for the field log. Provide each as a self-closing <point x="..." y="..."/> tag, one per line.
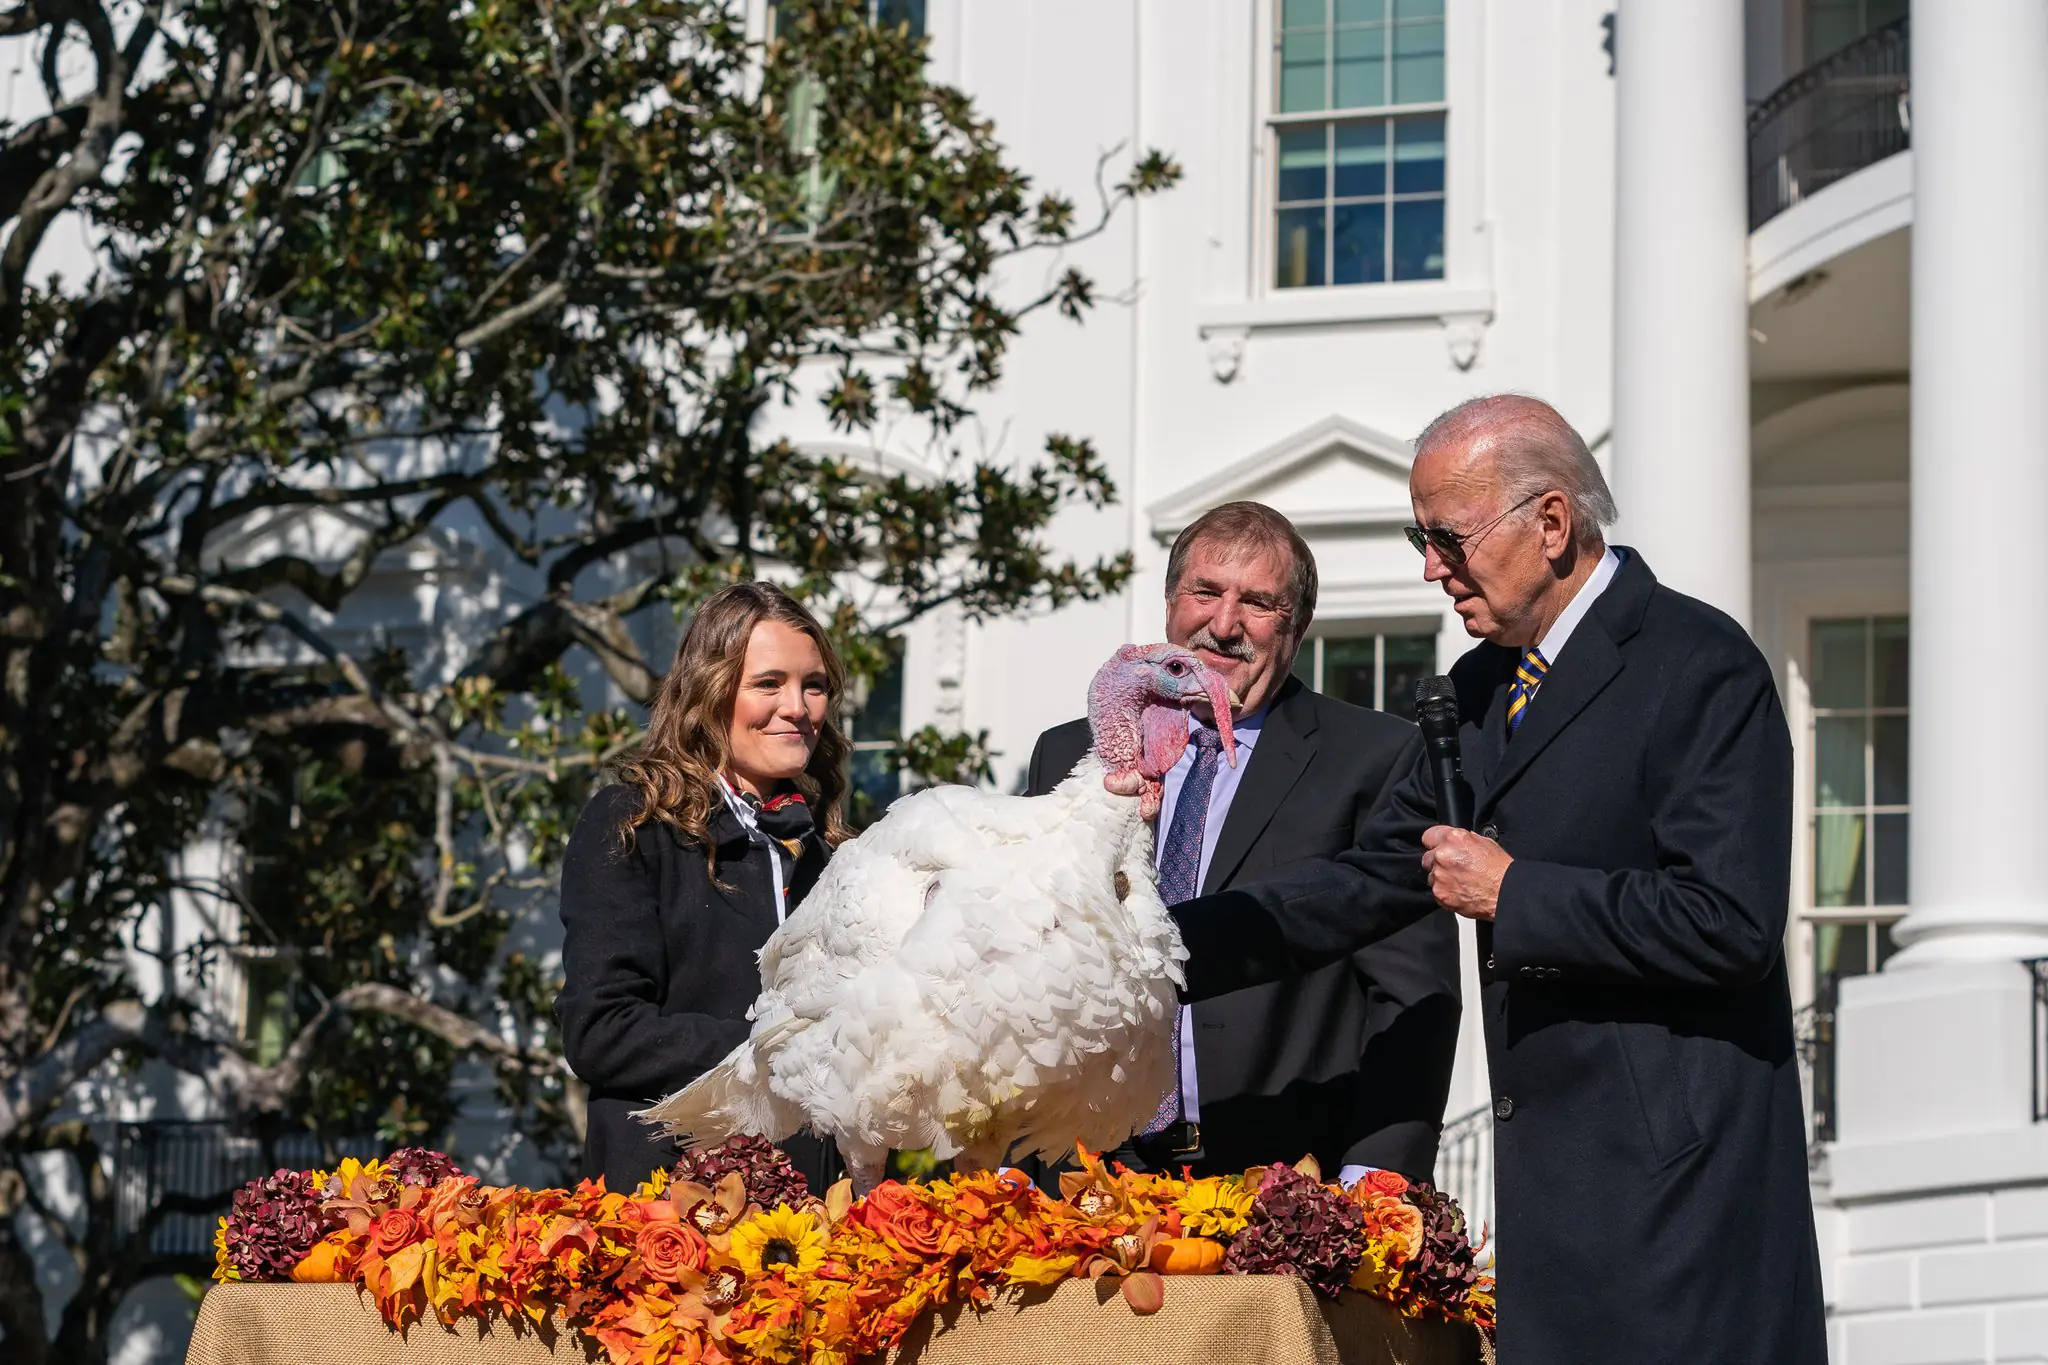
<point x="1137" y="709"/>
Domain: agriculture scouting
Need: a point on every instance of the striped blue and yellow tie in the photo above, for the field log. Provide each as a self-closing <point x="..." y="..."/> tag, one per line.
<point x="1528" y="677"/>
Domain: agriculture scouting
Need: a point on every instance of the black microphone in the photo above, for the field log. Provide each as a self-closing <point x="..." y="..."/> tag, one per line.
<point x="1436" y="709"/>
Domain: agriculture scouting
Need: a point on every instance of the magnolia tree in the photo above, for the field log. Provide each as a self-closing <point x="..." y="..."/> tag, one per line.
<point x="372" y="272"/>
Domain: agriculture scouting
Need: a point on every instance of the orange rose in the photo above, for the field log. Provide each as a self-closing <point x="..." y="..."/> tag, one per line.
<point x="668" y="1249"/>
<point x="1398" y="1224"/>
<point x="1387" y="1182"/>
<point x="397" y="1229"/>
<point x="896" y="1214"/>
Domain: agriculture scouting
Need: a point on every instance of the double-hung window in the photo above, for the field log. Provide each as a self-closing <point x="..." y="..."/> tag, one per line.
<point x="1358" y="139"/>
<point x="874" y="773"/>
<point x="1377" y="670"/>
<point x="1861" y="806"/>
<point x="884" y="13"/>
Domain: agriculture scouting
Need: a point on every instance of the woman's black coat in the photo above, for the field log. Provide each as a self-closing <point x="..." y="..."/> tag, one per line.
<point x="659" y="968"/>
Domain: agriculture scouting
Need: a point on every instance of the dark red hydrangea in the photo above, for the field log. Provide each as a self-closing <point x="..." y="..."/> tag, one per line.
<point x="1444" y="1268"/>
<point x="769" y="1175"/>
<point x="272" y="1224"/>
<point x="421" y="1166"/>
<point x="1299" y="1228"/>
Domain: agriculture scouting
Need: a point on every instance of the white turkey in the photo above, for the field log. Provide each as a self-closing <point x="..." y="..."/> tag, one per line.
<point x="984" y="975"/>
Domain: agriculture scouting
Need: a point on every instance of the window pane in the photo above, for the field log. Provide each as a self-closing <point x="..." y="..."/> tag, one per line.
<point x="1888" y="761"/>
<point x="891" y="13"/>
<point x="1361" y="11"/>
<point x="1419" y="239"/>
<point x="1838" y="860"/>
<point x="1410" y="659"/>
<point x="1360" y="246"/>
<point x="1888" y="853"/>
<point x="1885" y="944"/>
<point x="1304" y="160"/>
<point x="1300" y="253"/>
<point x="881" y="715"/>
<point x="1303" y="14"/>
<point x="1418" y="9"/>
<point x="1418" y="63"/>
<point x="1838" y="761"/>
<point x="1829" y="25"/>
<point x="1301" y="71"/>
<point x="1361" y="68"/>
<point x="873" y="778"/>
<point x="1838" y="663"/>
<point x="1348" y="670"/>
<point x="1852" y="958"/>
<point x="1889" y="658"/>
<point x="1419" y="155"/>
<point x="1361" y="159"/>
<point x="1304" y="668"/>
<point x="1827" y="951"/>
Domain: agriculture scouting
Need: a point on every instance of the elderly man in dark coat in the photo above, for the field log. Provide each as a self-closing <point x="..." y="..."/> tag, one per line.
<point x="1629" y="877"/>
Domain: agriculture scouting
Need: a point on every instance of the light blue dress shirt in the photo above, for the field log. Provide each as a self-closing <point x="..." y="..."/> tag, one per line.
<point x="1221" y="792"/>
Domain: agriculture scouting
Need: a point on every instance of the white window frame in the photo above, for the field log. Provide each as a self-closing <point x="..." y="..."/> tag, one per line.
<point x="1806" y="741"/>
<point x="1327" y="118"/>
<point x="1466" y="289"/>
<point x="1375" y="630"/>
<point x="1790" y="598"/>
<point x="762" y="20"/>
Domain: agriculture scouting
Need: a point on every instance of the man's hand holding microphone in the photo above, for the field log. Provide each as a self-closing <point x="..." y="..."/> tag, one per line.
<point x="1465" y="868"/>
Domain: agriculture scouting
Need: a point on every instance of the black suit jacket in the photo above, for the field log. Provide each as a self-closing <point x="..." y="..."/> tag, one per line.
<point x="1352" y="1062"/>
<point x="1650" y="1154"/>
<point x="659" y="967"/>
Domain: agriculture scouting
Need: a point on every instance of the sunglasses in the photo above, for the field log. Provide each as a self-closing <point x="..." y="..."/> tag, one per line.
<point x="1455" y="545"/>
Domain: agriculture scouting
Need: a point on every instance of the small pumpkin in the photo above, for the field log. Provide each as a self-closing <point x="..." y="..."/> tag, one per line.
<point x="322" y="1262"/>
<point x="1187" y="1256"/>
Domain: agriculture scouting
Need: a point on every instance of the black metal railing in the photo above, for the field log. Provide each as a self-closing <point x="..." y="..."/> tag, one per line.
<point x="198" y="1164"/>
<point x="2038" y="967"/>
<point x="1464" y="1170"/>
<point x="1813" y="1031"/>
<point x="1831" y="120"/>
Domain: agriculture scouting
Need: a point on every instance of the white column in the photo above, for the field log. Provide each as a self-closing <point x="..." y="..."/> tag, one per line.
<point x="1980" y="482"/>
<point x="1681" y="295"/>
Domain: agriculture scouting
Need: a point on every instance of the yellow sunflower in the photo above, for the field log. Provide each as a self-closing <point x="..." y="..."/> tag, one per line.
<point x="347" y="1173"/>
<point x="223" y="1265"/>
<point x="1214" y="1208"/>
<point x="784" y="1237"/>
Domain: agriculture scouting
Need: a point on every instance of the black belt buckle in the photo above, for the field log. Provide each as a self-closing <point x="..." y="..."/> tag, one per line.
<point x="1183" y="1138"/>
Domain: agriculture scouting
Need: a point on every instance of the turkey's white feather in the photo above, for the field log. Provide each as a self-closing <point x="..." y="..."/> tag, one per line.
<point x="963" y="977"/>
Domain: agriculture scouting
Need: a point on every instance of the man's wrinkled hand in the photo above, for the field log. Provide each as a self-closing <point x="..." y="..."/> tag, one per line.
<point x="1465" y="870"/>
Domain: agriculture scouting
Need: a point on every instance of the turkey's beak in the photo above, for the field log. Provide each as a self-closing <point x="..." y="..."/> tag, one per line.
<point x="1221" y="699"/>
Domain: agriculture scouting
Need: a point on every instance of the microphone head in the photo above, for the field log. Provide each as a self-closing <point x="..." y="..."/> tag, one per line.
<point x="1436" y="704"/>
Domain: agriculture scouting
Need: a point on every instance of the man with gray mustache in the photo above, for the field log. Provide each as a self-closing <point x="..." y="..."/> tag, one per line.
<point x="1352" y="1063"/>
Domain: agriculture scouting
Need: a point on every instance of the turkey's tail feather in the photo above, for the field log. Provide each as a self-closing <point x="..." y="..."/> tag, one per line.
<point x="729" y="1099"/>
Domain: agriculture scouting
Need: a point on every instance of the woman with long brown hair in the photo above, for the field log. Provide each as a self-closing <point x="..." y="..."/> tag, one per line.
<point x="720" y="822"/>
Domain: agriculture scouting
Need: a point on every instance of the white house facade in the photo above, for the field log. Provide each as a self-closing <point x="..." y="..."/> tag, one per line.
<point x="1785" y="265"/>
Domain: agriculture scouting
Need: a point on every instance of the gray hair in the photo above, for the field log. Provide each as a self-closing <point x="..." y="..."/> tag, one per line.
<point x="1534" y="451"/>
<point x="1253" y="527"/>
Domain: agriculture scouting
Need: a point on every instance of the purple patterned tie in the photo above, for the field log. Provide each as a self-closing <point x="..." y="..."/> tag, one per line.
<point x="1180" y="876"/>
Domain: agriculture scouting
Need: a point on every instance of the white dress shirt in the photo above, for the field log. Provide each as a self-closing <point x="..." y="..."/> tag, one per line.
<point x="1221" y="792"/>
<point x="747" y="817"/>
<point x="1567" y="621"/>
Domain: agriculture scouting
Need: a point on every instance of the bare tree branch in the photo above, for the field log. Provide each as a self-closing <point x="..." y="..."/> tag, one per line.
<point x="540" y="301"/>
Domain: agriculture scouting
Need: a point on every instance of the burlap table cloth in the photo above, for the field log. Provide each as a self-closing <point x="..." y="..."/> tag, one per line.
<point x="1206" y="1319"/>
